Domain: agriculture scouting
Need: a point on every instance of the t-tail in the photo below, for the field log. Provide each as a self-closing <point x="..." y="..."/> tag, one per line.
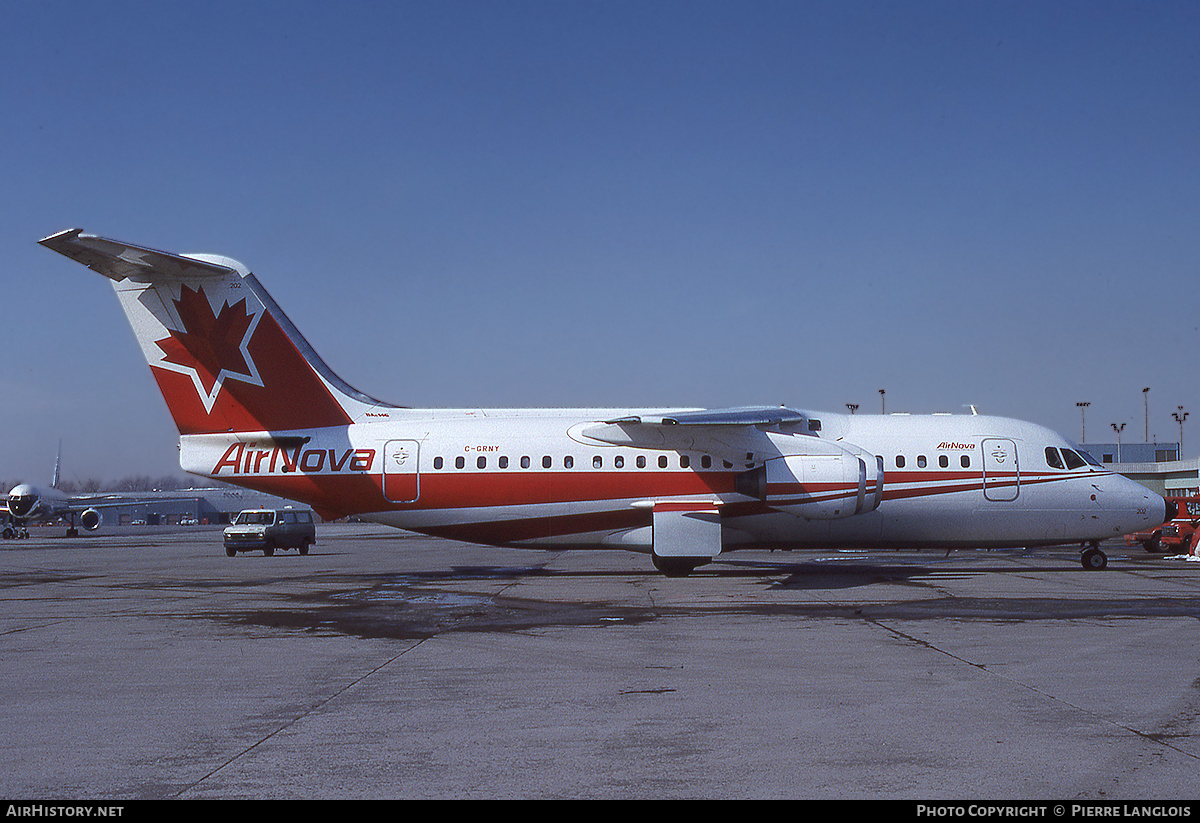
<point x="225" y="356"/>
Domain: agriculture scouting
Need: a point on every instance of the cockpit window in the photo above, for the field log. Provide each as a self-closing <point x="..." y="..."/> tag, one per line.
<point x="1053" y="460"/>
<point x="1074" y="461"/>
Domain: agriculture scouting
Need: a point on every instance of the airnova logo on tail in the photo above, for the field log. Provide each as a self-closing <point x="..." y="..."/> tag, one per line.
<point x="244" y="458"/>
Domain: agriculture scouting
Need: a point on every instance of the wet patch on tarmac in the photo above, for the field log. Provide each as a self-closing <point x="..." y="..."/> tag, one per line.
<point x="10" y="580"/>
<point x="406" y="610"/>
<point x="414" y="606"/>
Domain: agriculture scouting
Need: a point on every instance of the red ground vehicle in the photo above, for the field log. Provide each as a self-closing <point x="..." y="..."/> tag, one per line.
<point x="1176" y="536"/>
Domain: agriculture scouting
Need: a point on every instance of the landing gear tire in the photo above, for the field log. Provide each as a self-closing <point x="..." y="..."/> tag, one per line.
<point x="677" y="566"/>
<point x="1093" y="559"/>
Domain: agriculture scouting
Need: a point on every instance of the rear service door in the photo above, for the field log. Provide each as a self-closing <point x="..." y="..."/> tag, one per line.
<point x="401" y="482"/>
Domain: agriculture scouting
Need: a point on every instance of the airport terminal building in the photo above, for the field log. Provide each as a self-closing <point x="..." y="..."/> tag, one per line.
<point x="1155" y="465"/>
<point x="185" y="507"/>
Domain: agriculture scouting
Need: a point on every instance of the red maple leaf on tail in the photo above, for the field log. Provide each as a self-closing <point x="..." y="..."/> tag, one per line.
<point x="210" y="343"/>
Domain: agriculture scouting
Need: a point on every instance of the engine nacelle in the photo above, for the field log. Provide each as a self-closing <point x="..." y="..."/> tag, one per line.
<point x="91" y="519"/>
<point x="823" y="486"/>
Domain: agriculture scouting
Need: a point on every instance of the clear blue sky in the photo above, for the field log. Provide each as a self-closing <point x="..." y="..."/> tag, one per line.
<point x="616" y="203"/>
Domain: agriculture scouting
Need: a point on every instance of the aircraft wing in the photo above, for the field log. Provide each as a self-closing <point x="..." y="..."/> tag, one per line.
<point x="732" y="434"/>
<point x="759" y="416"/>
<point x="117" y="261"/>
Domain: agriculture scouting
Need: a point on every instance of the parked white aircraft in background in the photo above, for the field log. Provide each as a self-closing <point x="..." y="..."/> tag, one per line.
<point x="256" y="406"/>
<point x="26" y="503"/>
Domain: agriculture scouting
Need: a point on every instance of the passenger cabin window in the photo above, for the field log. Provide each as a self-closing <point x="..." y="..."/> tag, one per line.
<point x="525" y="462"/>
<point x="568" y="462"/>
<point x="921" y="461"/>
<point x="641" y="461"/>
<point x="619" y="462"/>
<point x="900" y="461"/>
<point x="662" y="461"/>
<point x="481" y="463"/>
<point x="597" y="462"/>
<point x="547" y="462"/>
<point x="504" y="462"/>
<point x="437" y="462"/>
<point x="943" y="461"/>
<point x="965" y="460"/>
<point x="459" y="462"/>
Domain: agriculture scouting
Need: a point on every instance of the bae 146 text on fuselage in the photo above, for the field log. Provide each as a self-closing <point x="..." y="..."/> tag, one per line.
<point x="255" y="406"/>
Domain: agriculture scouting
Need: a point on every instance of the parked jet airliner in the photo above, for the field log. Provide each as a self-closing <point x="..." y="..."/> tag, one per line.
<point x="256" y="406"/>
<point x="27" y="503"/>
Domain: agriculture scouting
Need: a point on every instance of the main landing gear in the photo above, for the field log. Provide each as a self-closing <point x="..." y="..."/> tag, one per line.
<point x="678" y="566"/>
<point x="1092" y="558"/>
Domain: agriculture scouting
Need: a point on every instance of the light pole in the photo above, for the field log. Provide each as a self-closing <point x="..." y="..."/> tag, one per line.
<point x="1118" y="430"/>
<point x="1083" y="422"/>
<point x="853" y="407"/>
<point x="882" y="403"/>
<point x="1146" y="402"/>
<point x="1180" y="416"/>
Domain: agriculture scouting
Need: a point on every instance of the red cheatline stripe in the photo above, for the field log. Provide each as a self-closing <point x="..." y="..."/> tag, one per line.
<point x="339" y="495"/>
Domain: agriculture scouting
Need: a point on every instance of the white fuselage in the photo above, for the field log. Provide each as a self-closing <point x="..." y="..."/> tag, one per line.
<point x="537" y="478"/>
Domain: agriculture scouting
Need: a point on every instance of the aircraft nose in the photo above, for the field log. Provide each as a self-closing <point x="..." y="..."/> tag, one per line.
<point x="1131" y="506"/>
<point x="1171" y="509"/>
<point x="21" y="504"/>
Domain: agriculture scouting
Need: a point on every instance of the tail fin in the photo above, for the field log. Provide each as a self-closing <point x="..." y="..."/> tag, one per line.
<point x="225" y="356"/>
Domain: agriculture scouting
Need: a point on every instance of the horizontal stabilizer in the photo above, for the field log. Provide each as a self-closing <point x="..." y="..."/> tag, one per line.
<point x="118" y="261"/>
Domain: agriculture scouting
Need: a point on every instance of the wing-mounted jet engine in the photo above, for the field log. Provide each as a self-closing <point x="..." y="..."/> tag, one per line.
<point x="817" y="486"/>
<point x="789" y="468"/>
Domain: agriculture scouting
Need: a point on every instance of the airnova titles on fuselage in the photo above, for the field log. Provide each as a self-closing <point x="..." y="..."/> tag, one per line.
<point x="256" y="406"/>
